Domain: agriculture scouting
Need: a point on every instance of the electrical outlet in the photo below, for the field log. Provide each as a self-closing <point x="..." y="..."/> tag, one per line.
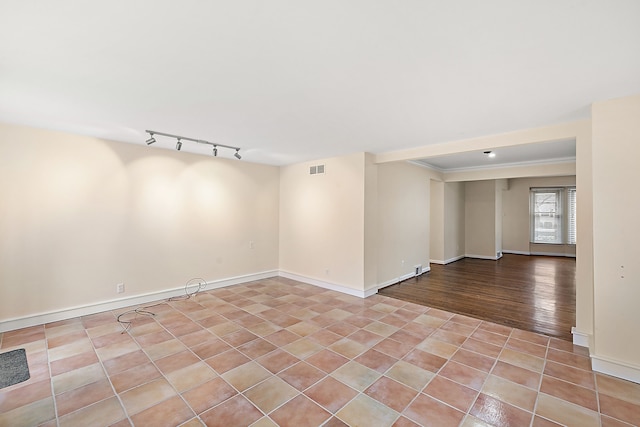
<point x="251" y="244"/>
<point x="120" y="288"/>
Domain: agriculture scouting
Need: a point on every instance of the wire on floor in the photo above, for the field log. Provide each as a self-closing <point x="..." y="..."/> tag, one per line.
<point x="191" y="289"/>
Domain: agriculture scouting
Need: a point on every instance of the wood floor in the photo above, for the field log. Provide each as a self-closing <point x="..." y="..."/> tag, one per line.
<point x="534" y="293"/>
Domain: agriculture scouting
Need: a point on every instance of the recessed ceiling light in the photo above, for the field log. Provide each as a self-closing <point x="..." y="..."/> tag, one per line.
<point x="490" y="154"/>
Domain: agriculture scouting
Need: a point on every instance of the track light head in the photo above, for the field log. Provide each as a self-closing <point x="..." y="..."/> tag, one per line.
<point x="179" y="145"/>
<point x="237" y="155"/>
<point x="215" y="150"/>
<point x="151" y="140"/>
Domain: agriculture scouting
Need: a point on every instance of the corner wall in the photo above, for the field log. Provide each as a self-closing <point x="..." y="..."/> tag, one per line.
<point x="322" y="224"/>
<point x="480" y="219"/>
<point x="403" y="220"/>
<point x="454" y="227"/>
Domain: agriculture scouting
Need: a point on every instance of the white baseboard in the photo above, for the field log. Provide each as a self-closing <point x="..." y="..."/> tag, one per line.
<point x="553" y="254"/>
<point x="615" y="368"/>
<point x="580" y="338"/>
<point x="446" y="261"/>
<point x="397" y="280"/>
<point x="493" y="258"/>
<point x="504" y="251"/>
<point x="328" y="285"/>
<point x="85" y="310"/>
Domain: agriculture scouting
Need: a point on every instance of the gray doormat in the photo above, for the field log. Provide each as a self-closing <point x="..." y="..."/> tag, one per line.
<point x="13" y="368"/>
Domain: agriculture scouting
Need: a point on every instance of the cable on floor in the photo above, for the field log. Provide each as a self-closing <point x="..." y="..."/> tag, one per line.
<point x="191" y="289"/>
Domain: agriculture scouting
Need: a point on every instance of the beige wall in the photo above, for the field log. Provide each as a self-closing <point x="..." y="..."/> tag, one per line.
<point x="454" y="217"/>
<point x="322" y="221"/>
<point x="584" y="228"/>
<point x="501" y="186"/>
<point x="447" y="225"/>
<point x="370" y="222"/>
<point x="516" y="218"/>
<point x="79" y="215"/>
<point x="616" y="232"/>
<point x="480" y="219"/>
<point x="437" y="208"/>
<point x="403" y="216"/>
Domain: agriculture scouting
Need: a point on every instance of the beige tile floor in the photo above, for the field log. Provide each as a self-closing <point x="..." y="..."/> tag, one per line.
<point x="279" y="352"/>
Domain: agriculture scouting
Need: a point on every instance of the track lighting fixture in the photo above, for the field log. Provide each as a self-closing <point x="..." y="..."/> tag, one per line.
<point x="179" y="139"/>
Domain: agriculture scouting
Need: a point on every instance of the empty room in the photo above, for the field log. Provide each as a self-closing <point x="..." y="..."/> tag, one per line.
<point x="206" y="207"/>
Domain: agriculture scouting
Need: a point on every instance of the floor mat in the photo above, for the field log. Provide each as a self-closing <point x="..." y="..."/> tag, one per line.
<point x="13" y="367"/>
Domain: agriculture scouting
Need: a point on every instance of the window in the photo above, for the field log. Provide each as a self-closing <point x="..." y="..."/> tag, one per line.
<point x="553" y="210"/>
<point x="571" y="235"/>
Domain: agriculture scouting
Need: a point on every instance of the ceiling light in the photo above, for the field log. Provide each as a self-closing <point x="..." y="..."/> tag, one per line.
<point x="179" y="139"/>
<point x="490" y="154"/>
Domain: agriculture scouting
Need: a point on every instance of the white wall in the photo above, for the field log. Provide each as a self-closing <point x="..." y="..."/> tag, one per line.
<point x="616" y="232"/>
<point x="480" y="219"/>
<point x="79" y="215"/>
<point x="403" y="216"/>
<point x="501" y="186"/>
<point x="322" y="224"/>
<point x="437" y="206"/>
<point x="454" y="227"/>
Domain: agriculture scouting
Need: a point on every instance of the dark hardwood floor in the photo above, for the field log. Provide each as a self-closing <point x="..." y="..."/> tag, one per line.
<point x="534" y="293"/>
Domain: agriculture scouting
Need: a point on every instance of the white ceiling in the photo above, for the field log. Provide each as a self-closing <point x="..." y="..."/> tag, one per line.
<point x="291" y="80"/>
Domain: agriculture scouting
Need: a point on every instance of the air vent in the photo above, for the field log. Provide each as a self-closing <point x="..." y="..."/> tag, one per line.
<point x="315" y="170"/>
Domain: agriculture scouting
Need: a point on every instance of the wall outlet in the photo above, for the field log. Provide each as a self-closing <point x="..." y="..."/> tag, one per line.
<point x="120" y="288"/>
<point x="251" y="244"/>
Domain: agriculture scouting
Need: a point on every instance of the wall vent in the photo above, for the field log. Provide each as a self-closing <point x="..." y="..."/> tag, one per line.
<point x="316" y="169"/>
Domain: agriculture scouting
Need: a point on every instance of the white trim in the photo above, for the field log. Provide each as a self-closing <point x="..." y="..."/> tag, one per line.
<point x="580" y="338"/>
<point x="505" y="251"/>
<point x="615" y="368"/>
<point x="398" y="279"/>
<point x="447" y="261"/>
<point x="557" y="161"/>
<point x="481" y="257"/>
<point x="327" y="285"/>
<point x="85" y="310"/>
<point x="425" y="165"/>
<point x="553" y="254"/>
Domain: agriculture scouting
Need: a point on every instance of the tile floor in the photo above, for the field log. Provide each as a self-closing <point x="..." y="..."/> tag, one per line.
<point x="279" y="352"/>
